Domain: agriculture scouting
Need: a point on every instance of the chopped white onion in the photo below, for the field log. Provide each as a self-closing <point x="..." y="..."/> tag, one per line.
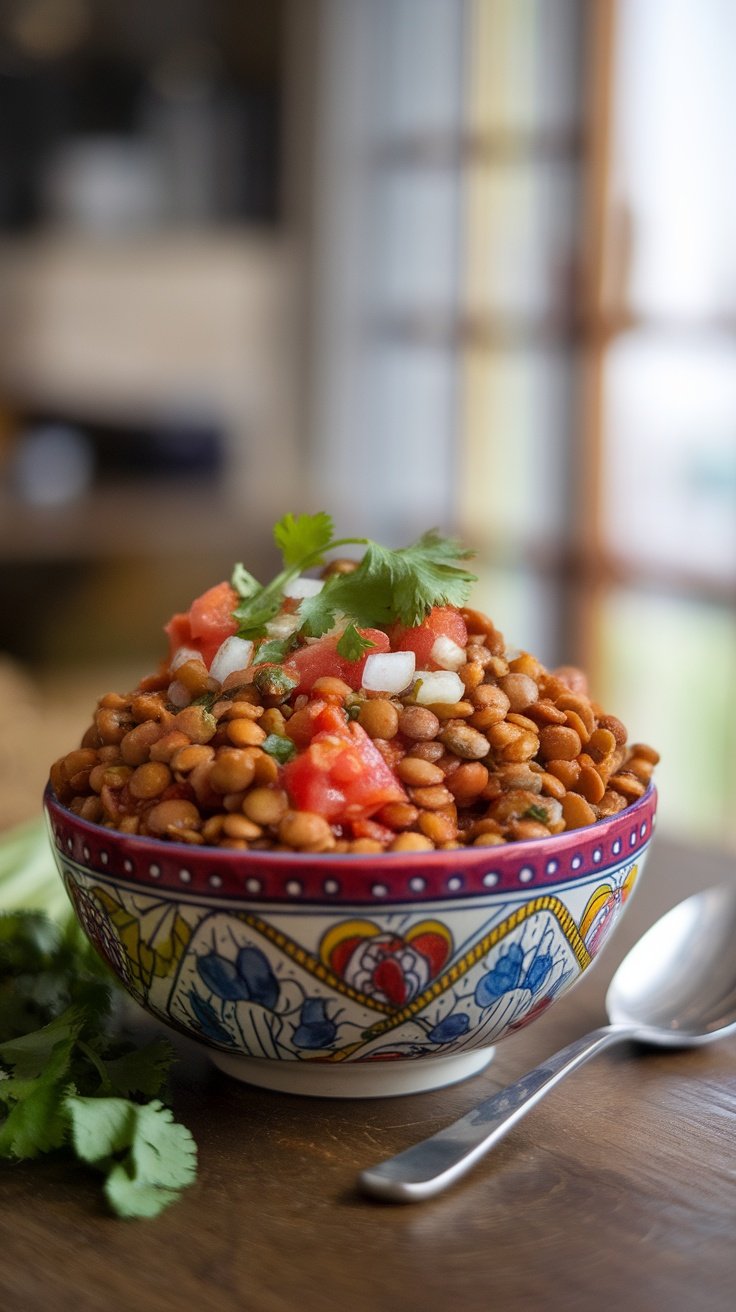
<point x="438" y="686"/>
<point x="448" y="654"/>
<point x="303" y="587"/>
<point x="233" y="654"/>
<point x="282" y="626"/>
<point x="182" y="655"/>
<point x="178" y="695"/>
<point x="390" y="671"/>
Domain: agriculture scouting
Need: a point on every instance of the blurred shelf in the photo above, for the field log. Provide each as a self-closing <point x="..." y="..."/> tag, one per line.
<point x="130" y="522"/>
<point x="141" y="330"/>
<point x="126" y="324"/>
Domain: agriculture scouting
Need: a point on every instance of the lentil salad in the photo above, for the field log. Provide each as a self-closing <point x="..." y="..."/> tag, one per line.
<point x="366" y="710"/>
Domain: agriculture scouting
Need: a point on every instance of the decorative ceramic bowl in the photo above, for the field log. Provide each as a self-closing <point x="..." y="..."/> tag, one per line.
<point x="350" y="976"/>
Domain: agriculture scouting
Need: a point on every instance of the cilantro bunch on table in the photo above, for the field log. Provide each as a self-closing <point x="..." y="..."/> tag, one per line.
<point x="68" y="1080"/>
<point x="385" y="588"/>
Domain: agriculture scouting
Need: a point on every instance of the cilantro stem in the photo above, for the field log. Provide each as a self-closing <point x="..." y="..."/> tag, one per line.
<point x="384" y="587"/>
<point x="255" y="612"/>
<point x="95" y="1061"/>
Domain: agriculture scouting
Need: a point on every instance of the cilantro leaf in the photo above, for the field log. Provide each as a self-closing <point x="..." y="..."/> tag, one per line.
<point x="254" y="613"/>
<point x="424" y="575"/>
<point x="147" y="1156"/>
<point x="140" y="1070"/>
<point x="163" y="1151"/>
<point x="36" y="1122"/>
<point x="385" y="587"/>
<point x="27" y="941"/>
<point x="302" y="540"/>
<point x="274" y="651"/>
<point x="101" y="1127"/>
<point x="317" y="614"/>
<point x="30" y="1054"/>
<point x="303" y="537"/>
<point x="388" y="585"/>
<point x="33" y="1096"/>
<point x="281" y="748"/>
<point x="352" y="645"/>
<point x="136" y="1200"/>
<point x="59" y="1061"/>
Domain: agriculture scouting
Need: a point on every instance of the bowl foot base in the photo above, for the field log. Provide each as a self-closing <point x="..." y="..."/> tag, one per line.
<point x="379" y="1079"/>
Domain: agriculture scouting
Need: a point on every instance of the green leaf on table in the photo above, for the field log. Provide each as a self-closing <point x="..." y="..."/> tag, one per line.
<point x="163" y="1152"/>
<point x="36" y="1122"/>
<point x="29" y="1055"/>
<point x="100" y="1127"/>
<point x="141" y="1070"/>
<point x="61" y="1056"/>
<point x="33" y="1095"/>
<point x="147" y="1156"/>
<point x="28" y="940"/>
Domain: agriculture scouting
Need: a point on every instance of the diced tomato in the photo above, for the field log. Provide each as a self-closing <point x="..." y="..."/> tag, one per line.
<point x="442" y="622"/>
<point x="207" y="623"/>
<point x="179" y="632"/>
<point x="372" y="829"/>
<point x="341" y="775"/>
<point x="211" y="615"/>
<point x="321" y="659"/>
<point x="316" y="717"/>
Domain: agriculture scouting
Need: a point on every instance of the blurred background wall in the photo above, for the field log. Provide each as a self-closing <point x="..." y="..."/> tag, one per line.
<point x="455" y="262"/>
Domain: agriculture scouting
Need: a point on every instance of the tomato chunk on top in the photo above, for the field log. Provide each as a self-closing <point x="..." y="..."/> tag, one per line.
<point x="442" y="622"/>
<point x="321" y="659"/>
<point x="207" y="623"/>
<point x="341" y="775"/>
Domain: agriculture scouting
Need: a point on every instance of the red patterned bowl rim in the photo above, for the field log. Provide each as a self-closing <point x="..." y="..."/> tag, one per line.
<point x="295" y="877"/>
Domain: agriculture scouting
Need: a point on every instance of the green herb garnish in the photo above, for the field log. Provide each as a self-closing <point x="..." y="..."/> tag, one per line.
<point x="535" y="812"/>
<point x="274" y="681"/>
<point x="207" y="700"/>
<point x="275" y="650"/>
<point x="281" y="748"/>
<point x="387" y="586"/>
<point x="67" y="1081"/>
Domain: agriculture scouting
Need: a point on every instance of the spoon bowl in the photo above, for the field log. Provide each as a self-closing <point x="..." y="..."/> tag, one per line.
<point x="671" y="991"/>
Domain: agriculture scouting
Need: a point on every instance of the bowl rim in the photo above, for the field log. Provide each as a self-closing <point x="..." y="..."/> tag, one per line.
<point x="286" y="858"/>
<point x="525" y="866"/>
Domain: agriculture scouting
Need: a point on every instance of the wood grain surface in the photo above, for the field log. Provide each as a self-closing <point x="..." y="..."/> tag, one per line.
<point x="617" y="1192"/>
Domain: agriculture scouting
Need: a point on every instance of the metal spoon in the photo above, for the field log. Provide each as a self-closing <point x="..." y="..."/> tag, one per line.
<point x="676" y="988"/>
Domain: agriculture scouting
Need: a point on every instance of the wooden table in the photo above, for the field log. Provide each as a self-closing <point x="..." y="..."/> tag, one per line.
<point x="617" y="1192"/>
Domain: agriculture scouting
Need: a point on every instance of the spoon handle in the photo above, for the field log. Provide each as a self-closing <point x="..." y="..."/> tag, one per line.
<point x="431" y="1165"/>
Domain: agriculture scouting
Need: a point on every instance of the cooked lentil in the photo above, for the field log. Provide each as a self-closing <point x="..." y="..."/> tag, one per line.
<point x="523" y="754"/>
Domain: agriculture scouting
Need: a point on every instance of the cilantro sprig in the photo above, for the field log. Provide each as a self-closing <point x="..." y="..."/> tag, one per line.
<point x="67" y="1081"/>
<point x="386" y="586"/>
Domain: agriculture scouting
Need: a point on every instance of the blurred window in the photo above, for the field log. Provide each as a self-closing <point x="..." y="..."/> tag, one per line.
<point x="530" y="279"/>
<point x="666" y="427"/>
